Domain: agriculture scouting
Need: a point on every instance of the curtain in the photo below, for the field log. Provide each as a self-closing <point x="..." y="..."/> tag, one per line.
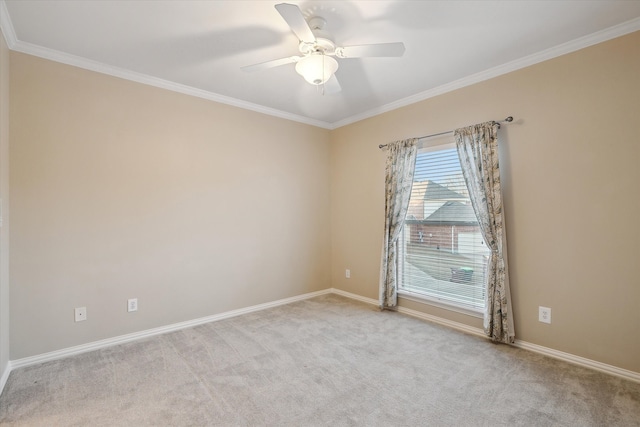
<point x="399" y="170"/>
<point x="478" y="151"/>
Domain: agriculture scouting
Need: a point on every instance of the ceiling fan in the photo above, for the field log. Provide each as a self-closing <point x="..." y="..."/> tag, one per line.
<point x="317" y="63"/>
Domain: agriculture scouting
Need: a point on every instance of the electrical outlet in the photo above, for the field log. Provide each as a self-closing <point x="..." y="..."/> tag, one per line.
<point x="544" y="314"/>
<point x="132" y="304"/>
<point x="347" y="273"/>
<point x="80" y="314"/>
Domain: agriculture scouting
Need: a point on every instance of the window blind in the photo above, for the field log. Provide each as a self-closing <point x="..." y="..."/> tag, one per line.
<point x="442" y="252"/>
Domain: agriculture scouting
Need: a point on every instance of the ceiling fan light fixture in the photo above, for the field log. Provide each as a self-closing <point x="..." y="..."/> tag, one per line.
<point x="317" y="68"/>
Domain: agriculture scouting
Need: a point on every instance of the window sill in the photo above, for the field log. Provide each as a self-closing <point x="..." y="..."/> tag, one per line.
<point x="426" y="299"/>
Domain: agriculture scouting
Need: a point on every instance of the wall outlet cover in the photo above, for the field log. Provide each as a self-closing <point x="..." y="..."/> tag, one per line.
<point x="544" y="314"/>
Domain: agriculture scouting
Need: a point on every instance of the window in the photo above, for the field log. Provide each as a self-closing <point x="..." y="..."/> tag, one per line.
<point x="442" y="255"/>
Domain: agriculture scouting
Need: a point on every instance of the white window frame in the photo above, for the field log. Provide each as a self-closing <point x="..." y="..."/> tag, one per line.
<point x="433" y="300"/>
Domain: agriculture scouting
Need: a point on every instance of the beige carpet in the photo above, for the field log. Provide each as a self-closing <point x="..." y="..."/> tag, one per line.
<point x="328" y="361"/>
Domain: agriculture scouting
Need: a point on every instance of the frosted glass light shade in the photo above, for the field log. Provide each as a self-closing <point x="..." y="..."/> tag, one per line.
<point x="316" y="68"/>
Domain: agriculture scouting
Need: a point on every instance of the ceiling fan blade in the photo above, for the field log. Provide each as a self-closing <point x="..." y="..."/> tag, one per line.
<point x="270" y="64"/>
<point x="332" y="86"/>
<point x="294" y="17"/>
<point x="368" y="50"/>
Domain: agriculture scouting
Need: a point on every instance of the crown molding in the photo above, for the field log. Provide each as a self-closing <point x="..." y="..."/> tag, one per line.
<point x="574" y="45"/>
<point x="554" y="52"/>
<point x="99" y="67"/>
<point x="7" y="26"/>
<point x="53" y="55"/>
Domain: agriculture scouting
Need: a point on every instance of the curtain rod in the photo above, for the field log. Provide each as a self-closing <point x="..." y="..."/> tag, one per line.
<point x="507" y="120"/>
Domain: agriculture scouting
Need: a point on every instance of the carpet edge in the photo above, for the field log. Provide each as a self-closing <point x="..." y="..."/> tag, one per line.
<point x="95" y="345"/>
<point x="147" y="333"/>
<point x="546" y="351"/>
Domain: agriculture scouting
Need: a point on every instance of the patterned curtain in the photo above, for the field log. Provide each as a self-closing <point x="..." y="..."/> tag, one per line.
<point x="478" y="151"/>
<point x="401" y="159"/>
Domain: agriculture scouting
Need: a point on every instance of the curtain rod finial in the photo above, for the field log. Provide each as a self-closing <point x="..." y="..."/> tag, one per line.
<point x="509" y="119"/>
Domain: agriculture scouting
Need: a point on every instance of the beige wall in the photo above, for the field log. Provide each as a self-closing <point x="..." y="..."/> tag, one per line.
<point x="4" y="196"/>
<point x="571" y="186"/>
<point x="121" y="190"/>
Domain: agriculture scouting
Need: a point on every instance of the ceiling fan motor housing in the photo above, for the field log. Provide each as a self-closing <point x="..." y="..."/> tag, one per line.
<point x="317" y="67"/>
<point x="322" y="45"/>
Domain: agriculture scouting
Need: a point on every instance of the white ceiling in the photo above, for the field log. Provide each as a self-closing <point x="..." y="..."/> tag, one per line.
<point x="198" y="47"/>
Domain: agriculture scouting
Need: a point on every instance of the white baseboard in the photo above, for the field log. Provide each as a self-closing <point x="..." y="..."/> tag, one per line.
<point x="444" y="322"/>
<point x="5" y="376"/>
<point x="414" y="313"/>
<point x="556" y="354"/>
<point x="355" y="296"/>
<point x="96" y="345"/>
<point x="580" y="361"/>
